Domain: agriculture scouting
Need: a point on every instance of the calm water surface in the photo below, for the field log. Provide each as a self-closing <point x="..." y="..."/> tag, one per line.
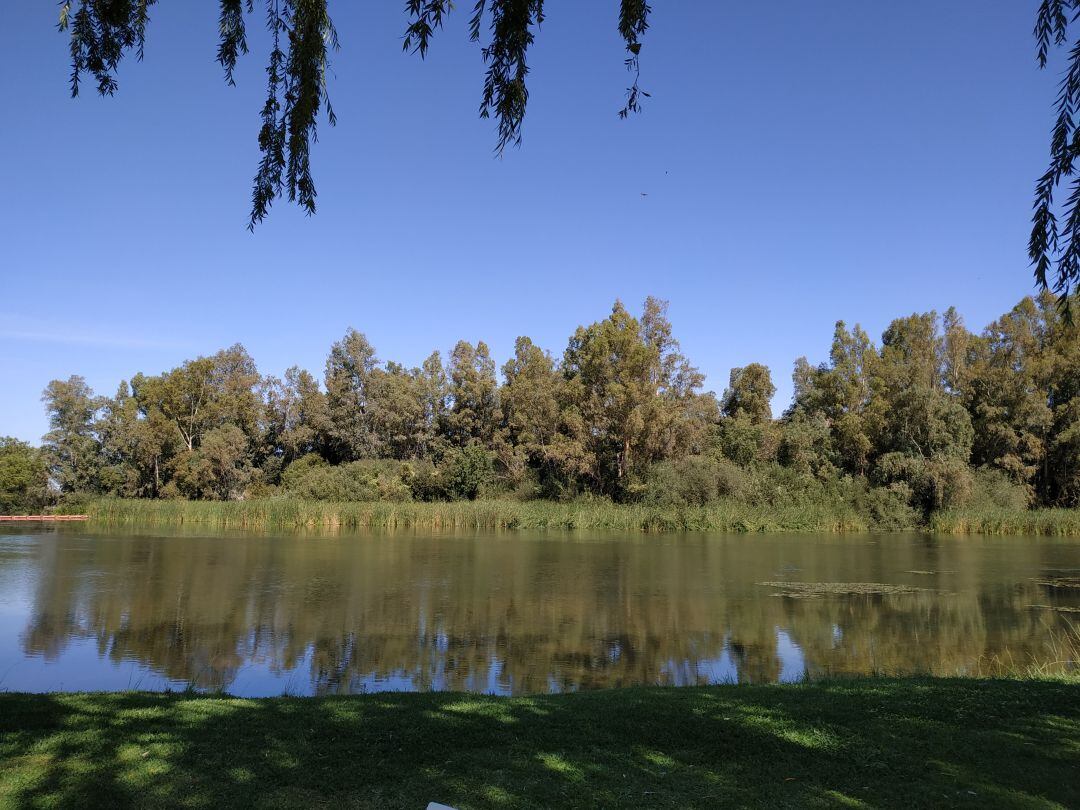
<point x="514" y="613"/>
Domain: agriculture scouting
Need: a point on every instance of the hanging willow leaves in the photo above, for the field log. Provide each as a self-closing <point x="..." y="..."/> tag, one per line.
<point x="101" y="32"/>
<point x="505" y="92"/>
<point x="633" y="22"/>
<point x="1054" y="247"/>
<point x="424" y="17"/>
<point x="302" y="34"/>
<point x="233" y="34"/>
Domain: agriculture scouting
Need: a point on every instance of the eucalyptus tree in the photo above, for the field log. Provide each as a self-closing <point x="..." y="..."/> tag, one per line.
<point x="1011" y="375"/>
<point x="118" y="429"/>
<point x="840" y="392"/>
<point x="473" y="417"/>
<point x="529" y="397"/>
<point x="72" y="447"/>
<point x="397" y="405"/>
<point x="749" y="394"/>
<point x="924" y="432"/>
<point x="434" y="390"/>
<point x="294" y="415"/>
<point x="204" y="393"/>
<point x="627" y="391"/>
<point x="530" y="402"/>
<point x="220" y="468"/>
<point x="919" y="415"/>
<point x="1062" y="471"/>
<point x="747" y="434"/>
<point x="349" y="369"/>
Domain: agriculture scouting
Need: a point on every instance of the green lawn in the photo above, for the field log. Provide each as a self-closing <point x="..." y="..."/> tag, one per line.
<point x="861" y="743"/>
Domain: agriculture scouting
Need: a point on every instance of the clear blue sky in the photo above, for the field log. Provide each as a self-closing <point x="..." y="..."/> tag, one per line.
<point x="804" y="162"/>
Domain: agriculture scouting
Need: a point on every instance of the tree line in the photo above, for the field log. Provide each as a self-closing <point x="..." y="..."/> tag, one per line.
<point x="931" y="417"/>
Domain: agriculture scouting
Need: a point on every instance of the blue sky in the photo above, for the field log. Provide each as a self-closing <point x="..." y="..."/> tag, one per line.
<point x="803" y="163"/>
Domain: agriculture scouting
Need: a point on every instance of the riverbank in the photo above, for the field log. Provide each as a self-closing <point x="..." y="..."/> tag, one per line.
<point x="859" y="743"/>
<point x="725" y="516"/>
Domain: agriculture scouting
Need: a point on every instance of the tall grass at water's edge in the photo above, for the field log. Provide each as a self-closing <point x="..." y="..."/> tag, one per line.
<point x="1054" y="522"/>
<point x="724" y="516"/>
<point x="490" y="514"/>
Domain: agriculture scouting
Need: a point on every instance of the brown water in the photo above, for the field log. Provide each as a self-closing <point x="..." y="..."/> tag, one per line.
<point x="518" y="612"/>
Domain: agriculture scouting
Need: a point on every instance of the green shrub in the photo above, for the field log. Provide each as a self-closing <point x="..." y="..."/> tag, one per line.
<point x="301" y="467"/>
<point x="888" y="509"/>
<point x="691" y="481"/>
<point x="939" y="482"/>
<point x="424" y="481"/>
<point x="993" y="489"/>
<point x="771" y="485"/>
<point x="467" y="472"/>
<point x="376" y="480"/>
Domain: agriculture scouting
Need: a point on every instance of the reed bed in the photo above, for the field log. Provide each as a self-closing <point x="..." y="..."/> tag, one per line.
<point x="493" y="514"/>
<point x="1050" y="522"/>
<point x="725" y="516"/>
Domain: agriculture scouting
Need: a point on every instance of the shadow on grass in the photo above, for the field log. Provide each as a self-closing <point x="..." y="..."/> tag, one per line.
<point x="874" y="742"/>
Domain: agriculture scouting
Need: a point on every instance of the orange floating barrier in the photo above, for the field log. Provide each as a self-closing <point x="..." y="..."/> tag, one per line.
<point x="4" y="518"/>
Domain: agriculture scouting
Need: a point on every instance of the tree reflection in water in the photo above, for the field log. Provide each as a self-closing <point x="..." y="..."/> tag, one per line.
<point x="517" y="613"/>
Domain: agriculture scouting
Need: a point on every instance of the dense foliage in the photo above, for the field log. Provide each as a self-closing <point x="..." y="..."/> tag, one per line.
<point x="934" y="418"/>
<point x="23" y="478"/>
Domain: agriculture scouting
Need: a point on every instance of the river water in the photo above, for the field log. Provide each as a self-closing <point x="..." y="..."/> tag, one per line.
<point x="513" y="613"/>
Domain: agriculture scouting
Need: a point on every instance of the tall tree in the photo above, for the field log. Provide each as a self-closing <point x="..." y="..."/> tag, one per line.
<point x="841" y="393"/>
<point x="205" y="393"/>
<point x="349" y="369"/>
<point x="749" y="394"/>
<point x="627" y="391"/>
<point x="920" y="416"/>
<point x="71" y="447"/>
<point x="219" y="469"/>
<point x="397" y="405"/>
<point x="474" y="411"/>
<point x="295" y="415"/>
<point x="1008" y="392"/>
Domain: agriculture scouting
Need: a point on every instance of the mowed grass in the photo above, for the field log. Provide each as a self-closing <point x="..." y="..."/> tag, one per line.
<point x="859" y="743"/>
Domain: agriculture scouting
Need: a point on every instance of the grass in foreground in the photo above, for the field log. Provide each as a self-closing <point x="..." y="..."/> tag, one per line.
<point x="860" y="743"/>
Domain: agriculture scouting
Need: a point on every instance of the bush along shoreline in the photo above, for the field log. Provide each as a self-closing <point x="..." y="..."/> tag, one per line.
<point x="933" y="426"/>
